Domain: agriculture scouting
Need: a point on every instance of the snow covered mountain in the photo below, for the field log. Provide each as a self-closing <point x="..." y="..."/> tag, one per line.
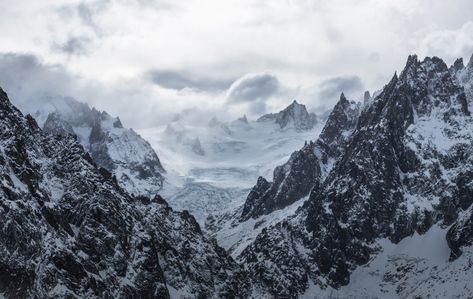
<point x="295" y="116"/>
<point x="305" y="168"/>
<point x="70" y="231"/>
<point x="402" y="175"/>
<point x="212" y="166"/>
<point x="375" y="202"/>
<point x="464" y="75"/>
<point x="119" y="150"/>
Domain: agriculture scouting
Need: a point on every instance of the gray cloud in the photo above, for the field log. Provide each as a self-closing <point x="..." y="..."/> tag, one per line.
<point x="179" y="80"/>
<point x="87" y="12"/>
<point x="27" y="81"/>
<point x="301" y="41"/>
<point x="331" y="88"/>
<point x="313" y="46"/>
<point x="30" y="84"/>
<point x="159" y="4"/>
<point x="257" y="108"/>
<point x="75" y="45"/>
<point x="374" y="57"/>
<point x="253" y="87"/>
<point x="254" y="90"/>
<point x="449" y="44"/>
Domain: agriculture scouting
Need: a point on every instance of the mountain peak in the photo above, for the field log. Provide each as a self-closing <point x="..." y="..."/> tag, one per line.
<point x="4" y="100"/>
<point x="56" y="125"/>
<point x="243" y="119"/>
<point x="470" y="63"/>
<point x="458" y="64"/>
<point x="3" y="95"/>
<point x="119" y="150"/>
<point x="294" y="105"/>
<point x="457" y="67"/>
<point x="366" y="97"/>
<point x="295" y="114"/>
<point x="412" y="59"/>
<point x="428" y="65"/>
<point x="197" y="147"/>
<point x="6" y="105"/>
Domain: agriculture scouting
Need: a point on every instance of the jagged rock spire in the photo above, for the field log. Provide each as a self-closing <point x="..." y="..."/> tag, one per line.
<point x="295" y="114"/>
<point x="458" y="64"/>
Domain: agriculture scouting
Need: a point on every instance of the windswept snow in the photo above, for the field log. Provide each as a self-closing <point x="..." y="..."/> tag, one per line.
<point x="235" y="236"/>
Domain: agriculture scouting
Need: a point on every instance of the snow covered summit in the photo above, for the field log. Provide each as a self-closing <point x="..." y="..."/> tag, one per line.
<point x="120" y="150"/>
<point x="295" y="115"/>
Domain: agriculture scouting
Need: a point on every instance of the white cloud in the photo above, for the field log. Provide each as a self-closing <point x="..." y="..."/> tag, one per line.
<point x="253" y="87"/>
<point x="448" y="44"/>
<point x="196" y="48"/>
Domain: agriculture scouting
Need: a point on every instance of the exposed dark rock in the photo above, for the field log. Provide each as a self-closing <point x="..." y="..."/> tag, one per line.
<point x="197" y="147"/>
<point x="56" y="125"/>
<point x="366" y="97"/>
<point x="394" y="175"/>
<point x="306" y="167"/>
<point x="113" y="147"/>
<point x="292" y="181"/>
<point x="69" y="231"/>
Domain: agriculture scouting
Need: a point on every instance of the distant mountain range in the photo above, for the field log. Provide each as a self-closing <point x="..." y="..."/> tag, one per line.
<point x="374" y="201"/>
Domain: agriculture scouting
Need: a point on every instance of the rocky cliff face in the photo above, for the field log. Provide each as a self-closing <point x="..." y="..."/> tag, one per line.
<point x="119" y="150"/>
<point x="69" y="230"/>
<point x="406" y="166"/>
<point x="398" y="170"/>
<point x="295" y="115"/>
<point x="306" y="167"/>
<point x="464" y="75"/>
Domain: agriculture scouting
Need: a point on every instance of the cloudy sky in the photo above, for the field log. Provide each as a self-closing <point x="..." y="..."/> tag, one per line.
<point x="146" y="60"/>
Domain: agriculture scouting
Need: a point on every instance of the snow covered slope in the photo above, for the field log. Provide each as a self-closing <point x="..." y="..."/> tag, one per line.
<point x="211" y="168"/>
<point x="119" y="150"/>
<point x="416" y="267"/>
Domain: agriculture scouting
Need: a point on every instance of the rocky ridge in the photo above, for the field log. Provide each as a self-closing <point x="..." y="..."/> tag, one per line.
<point x="405" y="167"/>
<point x="69" y="229"/>
<point x="306" y="167"/>
<point x="120" y="150"/>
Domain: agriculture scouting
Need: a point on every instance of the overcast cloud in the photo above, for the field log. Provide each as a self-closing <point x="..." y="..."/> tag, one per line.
<point x="180" y="80"/>
<point x="146" y="60"/>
